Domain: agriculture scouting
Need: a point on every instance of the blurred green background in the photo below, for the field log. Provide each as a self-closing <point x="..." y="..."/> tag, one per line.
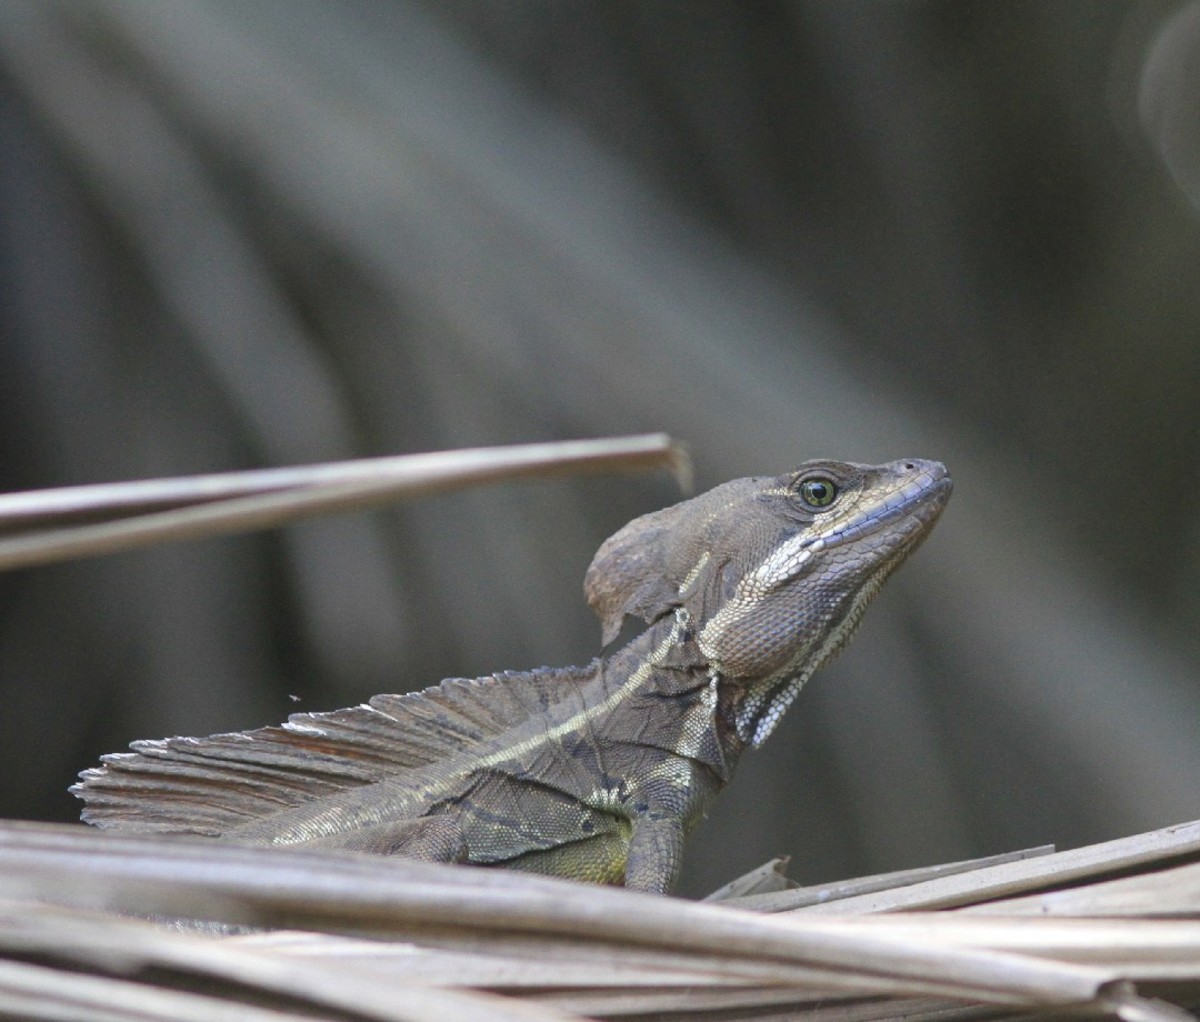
<point x="237" y="233"/>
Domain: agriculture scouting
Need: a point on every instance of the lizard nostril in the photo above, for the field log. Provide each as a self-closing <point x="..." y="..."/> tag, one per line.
<point x="909" y="465"/>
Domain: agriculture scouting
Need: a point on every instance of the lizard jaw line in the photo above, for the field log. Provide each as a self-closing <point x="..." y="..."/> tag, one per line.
<point x="913" y="494"/>
<point x="927" y="490"/>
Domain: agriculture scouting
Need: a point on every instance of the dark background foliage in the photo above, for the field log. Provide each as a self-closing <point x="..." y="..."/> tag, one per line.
<point x="246" y="233"/>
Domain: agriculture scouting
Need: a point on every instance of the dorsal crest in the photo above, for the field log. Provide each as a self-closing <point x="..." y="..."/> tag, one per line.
<point x="208" y="786"/>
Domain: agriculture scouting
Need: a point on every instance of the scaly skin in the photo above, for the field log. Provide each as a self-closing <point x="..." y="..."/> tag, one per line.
<point x="592" y="773"/>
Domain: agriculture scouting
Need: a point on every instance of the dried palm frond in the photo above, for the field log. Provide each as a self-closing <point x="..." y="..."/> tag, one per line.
<point x="80" y="521"/>
<point x="98" y="926"/>
<point x="278" y="933"/>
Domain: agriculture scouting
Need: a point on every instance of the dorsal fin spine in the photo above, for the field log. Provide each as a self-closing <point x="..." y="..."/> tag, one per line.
<point x="209" y="785"/>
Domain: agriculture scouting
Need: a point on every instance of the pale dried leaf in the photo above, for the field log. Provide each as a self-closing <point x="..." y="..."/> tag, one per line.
<point x="402" y="899"/>
<point x="802" y="897"/>
<point x="142" y="513"/>
<point x="36" y="991"/>
<point x="769" y="878"/>
<point x="1093" y="862"/>
<point x="1166" y="892"/>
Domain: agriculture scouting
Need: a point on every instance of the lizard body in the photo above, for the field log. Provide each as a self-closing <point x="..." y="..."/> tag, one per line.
<point x="595" y="773"/>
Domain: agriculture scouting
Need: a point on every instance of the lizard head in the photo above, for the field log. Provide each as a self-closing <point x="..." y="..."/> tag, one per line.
<point x="773" y="573"/>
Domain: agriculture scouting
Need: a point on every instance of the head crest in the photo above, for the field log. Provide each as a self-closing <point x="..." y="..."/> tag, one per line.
<point x="662" y="560"/>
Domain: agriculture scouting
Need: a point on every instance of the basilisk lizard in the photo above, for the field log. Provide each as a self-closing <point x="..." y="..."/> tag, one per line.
<point x="595" y="772"/>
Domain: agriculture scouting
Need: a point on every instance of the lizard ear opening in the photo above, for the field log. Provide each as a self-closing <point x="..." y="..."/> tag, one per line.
<point x="630" y="573"/>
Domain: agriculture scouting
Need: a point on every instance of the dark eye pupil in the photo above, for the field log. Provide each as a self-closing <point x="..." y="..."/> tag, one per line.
<point x="818" y="492"/>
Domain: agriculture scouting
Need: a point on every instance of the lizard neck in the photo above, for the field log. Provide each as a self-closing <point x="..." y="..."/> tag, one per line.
<point x="680" y="704"/>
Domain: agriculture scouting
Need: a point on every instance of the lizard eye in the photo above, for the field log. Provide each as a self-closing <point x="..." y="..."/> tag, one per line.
<point x="818" y="492"/>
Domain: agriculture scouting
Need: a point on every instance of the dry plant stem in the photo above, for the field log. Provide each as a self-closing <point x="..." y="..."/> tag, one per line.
<point x="155" y="511"/>
<point x="1140" y="949"/>
<point x="1163" y="893"/>
<point x="1022" y="877"/>
<point x="500" y="962"/>
<point x="37" y="992"/>
<point x="315" y="967"/>
<point x="121" y="945"/>
<point x="769" y="878"/>
<point x="879" y="1009"/>
<point x="645" y="1002"/>
<point x="69" y="865"/>
<point x="801" y="897"/>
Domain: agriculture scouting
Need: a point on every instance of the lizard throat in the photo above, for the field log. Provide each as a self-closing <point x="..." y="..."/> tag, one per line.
<point x="764" y="704"/>
<point x="763" y="707"/>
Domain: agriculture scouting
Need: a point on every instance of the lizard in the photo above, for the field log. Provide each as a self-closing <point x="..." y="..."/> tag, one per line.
<point x="594" y="773"/>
